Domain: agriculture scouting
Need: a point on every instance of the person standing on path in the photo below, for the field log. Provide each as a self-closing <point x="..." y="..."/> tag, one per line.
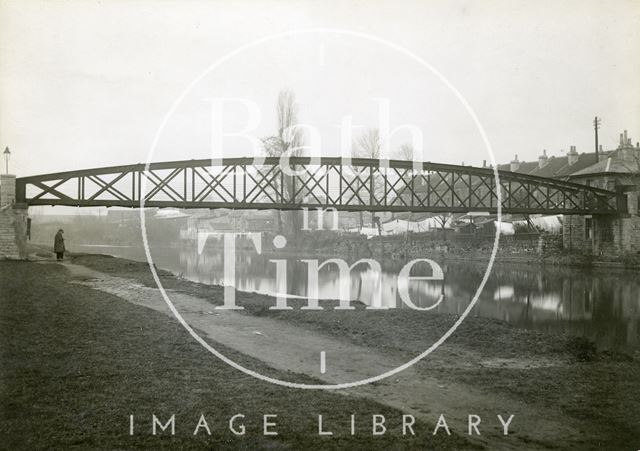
<point x="58" y="245"/>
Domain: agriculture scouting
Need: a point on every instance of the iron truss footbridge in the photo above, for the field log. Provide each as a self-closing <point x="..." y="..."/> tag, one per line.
<point x="356" y="184"/>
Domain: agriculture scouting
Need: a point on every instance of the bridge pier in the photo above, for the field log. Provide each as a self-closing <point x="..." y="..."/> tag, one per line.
<point x="13" y="221"/>
<point x="603" y="234"/>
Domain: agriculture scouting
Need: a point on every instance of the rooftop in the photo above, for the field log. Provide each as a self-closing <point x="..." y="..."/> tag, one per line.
<point x="624" y="160"/>
<point x="619" y="162"/>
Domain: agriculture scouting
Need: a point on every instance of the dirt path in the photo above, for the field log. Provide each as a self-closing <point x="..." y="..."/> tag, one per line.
<point x="285" y="346"/>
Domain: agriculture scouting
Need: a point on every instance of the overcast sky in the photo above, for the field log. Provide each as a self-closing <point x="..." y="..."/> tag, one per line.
<point x="88" y="83"/>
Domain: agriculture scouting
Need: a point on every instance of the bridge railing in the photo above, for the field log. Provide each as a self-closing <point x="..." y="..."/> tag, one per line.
<point x="349" y="185"/>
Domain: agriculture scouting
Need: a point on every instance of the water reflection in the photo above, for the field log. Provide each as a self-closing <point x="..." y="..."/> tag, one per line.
<point x="600" y="304"/>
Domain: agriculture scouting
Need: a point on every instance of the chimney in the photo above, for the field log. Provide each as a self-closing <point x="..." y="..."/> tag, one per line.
<point x="626" y="140"/>
<point x="484" y="163"/>
<point x="515" y="164"/>
<point x="543" y="159"/>
<point x="573" y="156"/>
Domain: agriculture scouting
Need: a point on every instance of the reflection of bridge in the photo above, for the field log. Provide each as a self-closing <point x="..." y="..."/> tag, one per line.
<point x="361" y="185"/>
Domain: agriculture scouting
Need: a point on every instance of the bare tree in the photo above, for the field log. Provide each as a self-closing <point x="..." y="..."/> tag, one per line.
<point x="368" y="146"/>
<point x="442" y="222"/>
<point x="405" y="152"/>
<point x="289" y="140"/>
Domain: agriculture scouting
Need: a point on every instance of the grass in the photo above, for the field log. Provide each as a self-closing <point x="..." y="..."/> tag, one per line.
<point x="598" y="391"/>
<point x="75" y="363"/>
<point x="486" y="336"/>
<point x="601" y="398"/>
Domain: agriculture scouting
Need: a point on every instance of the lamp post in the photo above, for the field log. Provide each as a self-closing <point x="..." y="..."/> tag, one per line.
<point x="7" y="155"/>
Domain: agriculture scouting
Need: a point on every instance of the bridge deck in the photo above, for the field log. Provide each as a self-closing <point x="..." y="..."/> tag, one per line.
<point x="297" y="182"/>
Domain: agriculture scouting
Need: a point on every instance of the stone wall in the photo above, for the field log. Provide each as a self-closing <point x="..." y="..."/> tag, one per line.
<point x="13" y="221"/>
<point x="627" y="233"/>
<point x="422" y="245"/>
<point x="633" y="199"/>
<point x="603" y="235"/>
<point x="574" y="234"/>
<point x="626" y="230"/>
<point x="7" y="189"/>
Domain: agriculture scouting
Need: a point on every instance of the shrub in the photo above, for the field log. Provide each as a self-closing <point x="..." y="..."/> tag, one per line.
<point x="582" y="349"/>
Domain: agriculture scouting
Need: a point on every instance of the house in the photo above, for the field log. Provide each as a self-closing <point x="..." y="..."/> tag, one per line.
<point x="555" y="167"/>
<point x="619" y="170"/>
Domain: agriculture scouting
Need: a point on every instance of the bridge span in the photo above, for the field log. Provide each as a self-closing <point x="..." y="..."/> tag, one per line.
<point x="330" y="182"/>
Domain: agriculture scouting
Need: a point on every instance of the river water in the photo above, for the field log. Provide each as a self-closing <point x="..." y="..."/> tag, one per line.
<point x="600" y="304"/>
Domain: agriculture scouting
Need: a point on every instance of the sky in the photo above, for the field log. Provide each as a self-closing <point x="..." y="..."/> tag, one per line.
<point x="88" y="83"/>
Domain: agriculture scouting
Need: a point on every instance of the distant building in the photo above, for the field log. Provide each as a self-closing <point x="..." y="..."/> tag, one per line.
<point x="127" y="215"/>
<point x="228" y="221"/>
<point x="618" y="170"/>
<point x="553" y="166"/>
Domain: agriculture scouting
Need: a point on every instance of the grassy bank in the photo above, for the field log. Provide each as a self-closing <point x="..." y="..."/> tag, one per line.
<point x="597" y="391"/>
<point x="75" y="363"/>
<point x="487" y="336"/>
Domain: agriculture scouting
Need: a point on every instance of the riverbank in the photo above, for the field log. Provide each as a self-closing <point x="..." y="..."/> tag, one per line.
<point x="594" y="393"/>
<point x="540" y="249"/>
<point x="77" y="362"/>
<point x="599" y="305"/>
